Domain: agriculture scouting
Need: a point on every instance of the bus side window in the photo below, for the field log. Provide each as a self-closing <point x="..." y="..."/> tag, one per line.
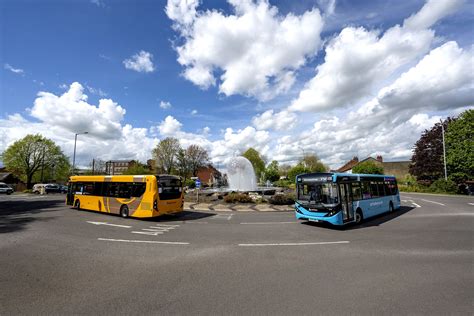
<point x="124" y="190"/>
<point x="138" y="189"/>
<point x="98" y="188"/>
<point x="88" y="188"/>
<point x="356" y="191"/>
<point x="388" y="191"/>
<point x="373" y="189"/>
<point x="381" y="189"/>
<point x="366" y="190"/>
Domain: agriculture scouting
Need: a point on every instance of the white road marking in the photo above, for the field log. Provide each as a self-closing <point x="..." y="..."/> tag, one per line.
<point x="154" y="230"/>
<point x="107" y="224"/>
<point x="162" y="227"/>
<point x="197" y="223"/>
<point x="470" y="203"/>
<point x="146" y="241"/>
<point x="296" y="244"/>
<point x="433" y="202"/>
<point x="169" y="226"/>
<point x="148" y="233"/>
<point x="221" y="216"/>
<point x="267" y="223"/>
<point x="439" y="215"/>
<point x="415" y="204"/>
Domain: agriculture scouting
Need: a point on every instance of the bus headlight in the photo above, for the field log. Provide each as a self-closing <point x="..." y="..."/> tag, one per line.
<point x="332" y="213"/>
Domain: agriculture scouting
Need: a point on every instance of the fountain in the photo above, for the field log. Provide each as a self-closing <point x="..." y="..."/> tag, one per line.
<point x="241" y="175"/>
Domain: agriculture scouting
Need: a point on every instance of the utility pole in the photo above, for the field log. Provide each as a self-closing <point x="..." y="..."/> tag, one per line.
<point x="444" y="153"/>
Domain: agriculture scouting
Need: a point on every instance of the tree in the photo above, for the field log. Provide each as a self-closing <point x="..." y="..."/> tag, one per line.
<point x="296" y="170"/>
<point x="183" y="165"/>
<point x="257" y="162"/>
<point x="459" y="140"/>
<point x="427" y="160"/>
<point x="197" y="157"/>
<point x="137" y="168"/>
<point x="313" y="164"/>
<point x="35" y="155"/>
<point x="271" y="172"/>
<point x="165" y="154"/>
<point x="368" y="167"/>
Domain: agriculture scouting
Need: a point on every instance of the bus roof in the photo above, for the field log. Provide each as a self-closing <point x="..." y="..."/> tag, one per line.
<point x="335" y="176"/>
<point x="121" y="178"/>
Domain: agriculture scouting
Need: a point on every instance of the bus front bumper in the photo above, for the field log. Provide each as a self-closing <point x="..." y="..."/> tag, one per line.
<point x="303" y="214"/>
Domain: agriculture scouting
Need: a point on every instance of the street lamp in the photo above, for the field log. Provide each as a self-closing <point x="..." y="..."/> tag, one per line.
<point x="74" y="155"/>
<point x="444" y="153"/>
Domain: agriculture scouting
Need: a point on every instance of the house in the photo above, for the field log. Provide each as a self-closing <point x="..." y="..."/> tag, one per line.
<point x="10" y="179"/>
<point x="118" y="167"/>
<point x="210" y="176"/>
<point x="397" y="168"/>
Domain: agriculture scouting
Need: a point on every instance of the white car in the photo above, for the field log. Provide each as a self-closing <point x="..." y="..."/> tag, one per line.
<point x="37" y="188"/>
<point x="4" y="188"/>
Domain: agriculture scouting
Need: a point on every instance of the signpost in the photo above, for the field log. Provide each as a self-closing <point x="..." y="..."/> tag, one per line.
<point x="198" y="187"/>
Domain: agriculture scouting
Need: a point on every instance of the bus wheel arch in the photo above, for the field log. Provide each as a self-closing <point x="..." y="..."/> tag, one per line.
<point x="390" y="207"/>
<point x="359" y="216"/>
<point x="124" y="212"/>
<point x="77" y="204"/>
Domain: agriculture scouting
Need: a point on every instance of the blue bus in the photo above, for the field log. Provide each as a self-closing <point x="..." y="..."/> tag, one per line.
<point x="343" y="198"/>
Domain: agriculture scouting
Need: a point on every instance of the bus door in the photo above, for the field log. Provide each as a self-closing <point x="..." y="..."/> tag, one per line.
<point x="70" y="194"/>
<point x="345" y="193"/>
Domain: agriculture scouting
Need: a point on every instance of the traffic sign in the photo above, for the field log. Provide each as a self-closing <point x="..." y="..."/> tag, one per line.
<point x="198" y="183"/>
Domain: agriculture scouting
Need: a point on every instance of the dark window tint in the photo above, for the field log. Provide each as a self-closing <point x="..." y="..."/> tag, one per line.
<point x="381" y="188"/>
<point x="356" y="191"/>
<point x="138" y="189"/>
<point x="366" y="190"/>
<point x="374" y="190"/>
<point x="98" y="186"/>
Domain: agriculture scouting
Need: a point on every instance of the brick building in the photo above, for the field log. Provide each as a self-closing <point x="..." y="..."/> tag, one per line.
<point x="397" y="168"/>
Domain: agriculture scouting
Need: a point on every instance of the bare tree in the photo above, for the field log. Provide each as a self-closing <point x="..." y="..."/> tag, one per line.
<point x="197" y="157"/>
<point x="165" y="154"/>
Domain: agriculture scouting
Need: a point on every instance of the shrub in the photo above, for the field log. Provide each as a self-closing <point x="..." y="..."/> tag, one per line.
<point x="190" y="183"/>
<point x="443" y="186"/>
<point x="237" y="198"/>
<point x="282" y="199"/>
<point x="284" y="183"/>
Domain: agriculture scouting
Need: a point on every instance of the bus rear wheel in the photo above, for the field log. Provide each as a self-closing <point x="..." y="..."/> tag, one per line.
<point x="124" y="211"/>
<point x="358" y="217"/>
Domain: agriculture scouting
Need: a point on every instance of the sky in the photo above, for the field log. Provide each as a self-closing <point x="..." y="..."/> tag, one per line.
<point x="335" y="78"/>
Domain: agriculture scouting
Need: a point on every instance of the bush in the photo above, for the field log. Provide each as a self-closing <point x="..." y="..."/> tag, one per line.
<point x="285" y="183"/>
<point x="282" y="199"/>
<point x="237" y="198"/>
<point x="190" y="183"/>
<point x="443" y="186"/>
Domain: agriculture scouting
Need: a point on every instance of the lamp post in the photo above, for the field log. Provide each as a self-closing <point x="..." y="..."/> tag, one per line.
<point x="444" y="152"/>
<point x="74" y="155"/>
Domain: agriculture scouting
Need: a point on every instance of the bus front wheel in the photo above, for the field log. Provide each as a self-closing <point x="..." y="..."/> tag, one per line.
<point x="390" y="207"/>
<point x="124" y="211"/>
<point x="358" y="217"/>
<point x="77" y="205"/>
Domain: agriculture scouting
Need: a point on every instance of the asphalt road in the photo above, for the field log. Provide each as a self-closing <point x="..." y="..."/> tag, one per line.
<point x="57" y="260"/>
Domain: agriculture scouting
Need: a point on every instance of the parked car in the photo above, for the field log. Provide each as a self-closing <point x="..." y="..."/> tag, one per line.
<point x="4" y="188"/>
<point x="37" y="188"/>
<point x="63" y="188"/>
<point x="52" y="188"/>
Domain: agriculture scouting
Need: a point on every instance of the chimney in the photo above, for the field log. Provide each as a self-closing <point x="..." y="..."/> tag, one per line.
<point x="355" y="159"/>
<point x="379" y="158"/>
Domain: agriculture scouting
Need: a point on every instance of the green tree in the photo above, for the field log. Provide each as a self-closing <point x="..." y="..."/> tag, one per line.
<point x="165" y="154"/>
<point x="257" y="162"/>
<point x="137" y="168"/>
<point x="368" y="167"/>
<point x="271" y="172"/>
<point x="296" y="170"/>
<point x="33" y="156"/>
<point x="427" y="159"/>
<point x="183" y="165"/>
<point x="313" y="164"/>
<point x="459" y="139"/>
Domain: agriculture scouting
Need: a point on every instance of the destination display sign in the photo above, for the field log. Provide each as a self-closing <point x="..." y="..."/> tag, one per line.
<point x="316" y="179"/>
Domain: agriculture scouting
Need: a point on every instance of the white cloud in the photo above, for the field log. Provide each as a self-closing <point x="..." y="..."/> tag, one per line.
<point x="169" y="127"/>
<point x="96" y="91"/>
<point x="165" y="105"/>
<point x="72" y="112"/>
<point x="256" y="49"/>
<point x="194" y="112"/>
<point x="358" y="59"/>
<point x="14" y="70"/>
<point x="98" y="3"/>
<point x="141" y="62"/>
<point x="280" y="121"/>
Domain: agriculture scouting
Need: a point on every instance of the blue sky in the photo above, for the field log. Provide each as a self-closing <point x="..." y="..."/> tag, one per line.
<point x="333" y="78"/>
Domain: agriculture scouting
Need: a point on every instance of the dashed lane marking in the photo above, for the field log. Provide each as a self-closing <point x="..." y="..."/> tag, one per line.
<point x="107" y="224"/>
<point x="145" y="241"/>
<point x="154" y="233"/>
<point x="296" y="244"/>
<point x="415" y="204"/>
<point x="433" y="202"/>
<point x="470" y="203"/>
<point x="267" y="223"/>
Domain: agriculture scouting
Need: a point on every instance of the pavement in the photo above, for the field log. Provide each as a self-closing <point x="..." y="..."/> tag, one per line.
<point x="57" y="260"/>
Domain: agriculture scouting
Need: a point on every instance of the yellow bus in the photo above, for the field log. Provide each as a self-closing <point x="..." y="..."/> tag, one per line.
<point x="127" y="195"/>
